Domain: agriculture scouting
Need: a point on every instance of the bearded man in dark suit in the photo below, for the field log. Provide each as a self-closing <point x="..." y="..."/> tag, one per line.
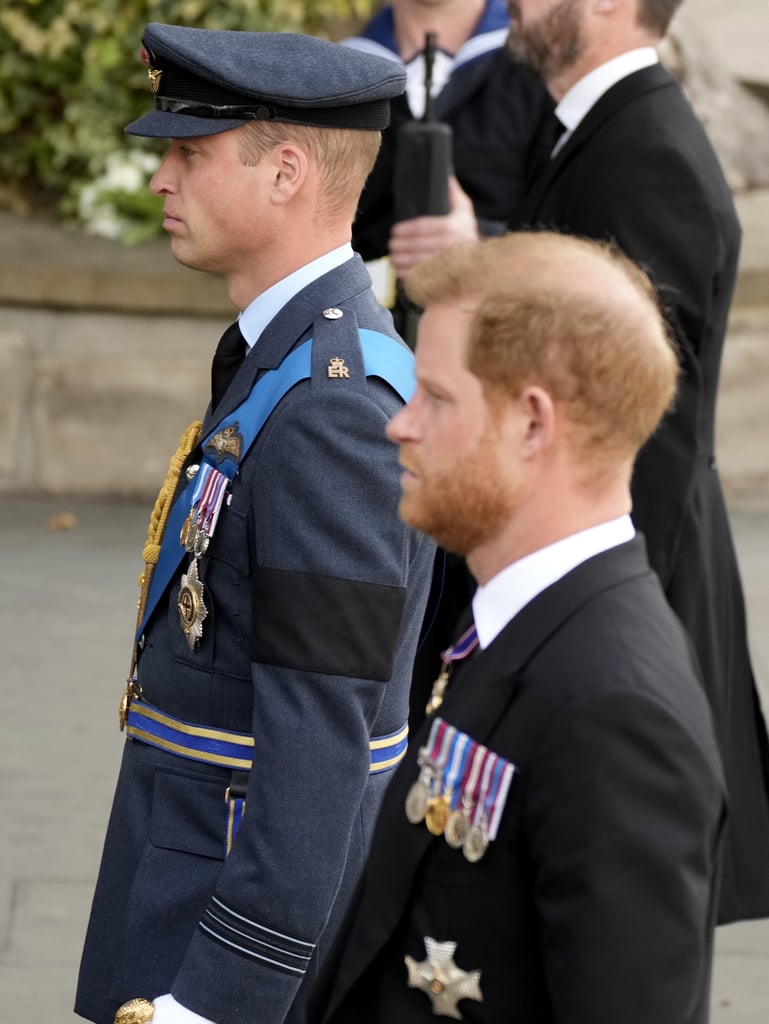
<point x="548" y="849"/>
<point x="633" y="164"/>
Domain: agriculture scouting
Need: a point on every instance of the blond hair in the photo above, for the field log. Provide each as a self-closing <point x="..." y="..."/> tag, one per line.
<point x="344" y="156"/>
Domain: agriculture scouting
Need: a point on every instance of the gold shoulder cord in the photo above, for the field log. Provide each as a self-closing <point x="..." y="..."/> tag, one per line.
<point x="151" y="552"/>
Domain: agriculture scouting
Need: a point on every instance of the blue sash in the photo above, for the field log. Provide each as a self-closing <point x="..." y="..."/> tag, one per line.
<point x="382" y="357"/>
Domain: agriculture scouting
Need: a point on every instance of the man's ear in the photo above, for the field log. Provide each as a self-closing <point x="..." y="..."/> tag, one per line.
<point x="537" y="412"/>
<point x="290" y="164"/>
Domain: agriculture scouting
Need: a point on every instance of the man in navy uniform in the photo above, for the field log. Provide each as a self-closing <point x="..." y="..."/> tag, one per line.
<point x="548" y="850"/>
<point x="283" y="596"/>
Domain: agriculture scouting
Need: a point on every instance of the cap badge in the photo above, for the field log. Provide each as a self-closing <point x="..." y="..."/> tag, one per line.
<point x="152" y="73"/>
<point x="442" y="980"/>
<point x="337" y="368"/>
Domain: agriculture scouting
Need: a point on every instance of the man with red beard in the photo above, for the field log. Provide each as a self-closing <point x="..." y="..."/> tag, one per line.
<point x="547" y="852"/>
<point x="634" y="165"/>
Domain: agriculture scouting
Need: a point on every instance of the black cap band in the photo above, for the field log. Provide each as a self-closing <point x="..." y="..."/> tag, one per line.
<point x="374" y="115"/>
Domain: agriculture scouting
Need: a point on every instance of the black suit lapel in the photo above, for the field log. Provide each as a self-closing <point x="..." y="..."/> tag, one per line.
<point x="480" y="694"/>
<point x="483" y="691"/>
<point x="614" y="100"/>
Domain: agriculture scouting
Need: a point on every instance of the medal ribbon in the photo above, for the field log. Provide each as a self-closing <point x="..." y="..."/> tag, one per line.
<point x="489" y="792"/>
<point x="501" y="800"/>
<point x="468" y="760"/>
<point x="208" y="497"/>
<point x="483" y="786"/>
<point x="383" y="357"/>
<point x="456" y="768"/>
<point x="439" y="753"/>
<point x="430" y="746"/>
<point x="470" y="790"/>
<point x="462" y="648"/>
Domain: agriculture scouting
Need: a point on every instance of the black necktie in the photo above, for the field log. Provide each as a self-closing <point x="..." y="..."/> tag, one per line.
<point x="541" y="152"/>
<point x="230" y="353"/>
<point x="553" y="131"/>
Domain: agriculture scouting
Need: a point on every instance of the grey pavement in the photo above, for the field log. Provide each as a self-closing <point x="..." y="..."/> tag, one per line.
<point x="67" y="603"/>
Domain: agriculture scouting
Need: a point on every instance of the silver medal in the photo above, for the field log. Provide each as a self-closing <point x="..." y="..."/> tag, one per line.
<point x="456" y="828"/>
<point x="475" y="844"/>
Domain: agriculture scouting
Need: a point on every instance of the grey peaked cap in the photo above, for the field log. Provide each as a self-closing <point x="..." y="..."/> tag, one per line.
<point x="207" y="81"/>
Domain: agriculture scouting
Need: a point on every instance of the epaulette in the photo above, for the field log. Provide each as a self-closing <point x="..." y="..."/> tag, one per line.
<point x="337" y="354"/>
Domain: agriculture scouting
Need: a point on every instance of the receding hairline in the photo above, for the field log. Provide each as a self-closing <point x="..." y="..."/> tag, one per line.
<point x="524" y="263"/>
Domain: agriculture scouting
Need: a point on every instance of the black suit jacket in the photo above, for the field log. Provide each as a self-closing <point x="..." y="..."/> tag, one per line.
<point x="596" y="902"/>
<point x="639" y="170"/>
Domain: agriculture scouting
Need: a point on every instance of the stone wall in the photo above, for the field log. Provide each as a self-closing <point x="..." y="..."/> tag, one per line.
<point x="105" y="355"/>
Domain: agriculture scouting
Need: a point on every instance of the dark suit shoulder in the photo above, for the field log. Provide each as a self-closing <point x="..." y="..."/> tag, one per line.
<point x="646" y="142"/>
<point x="620" y="644"/>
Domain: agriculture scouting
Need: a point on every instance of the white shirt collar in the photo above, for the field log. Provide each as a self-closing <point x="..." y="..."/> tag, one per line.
<point x="588" y="90"/>
<point x="264" y="307"/>
<point x="498" y="602"/>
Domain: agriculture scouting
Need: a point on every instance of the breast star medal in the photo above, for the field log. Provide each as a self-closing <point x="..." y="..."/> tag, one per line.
<point x="192" y="610"/>
<point x="442" y="980"/>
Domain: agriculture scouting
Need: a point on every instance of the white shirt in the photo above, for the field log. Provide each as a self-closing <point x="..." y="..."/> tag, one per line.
<point x="585" y="93"/>
<point x="255" y="317"/>
<point x="252" y="322"/>
<point x="497" y="602"/>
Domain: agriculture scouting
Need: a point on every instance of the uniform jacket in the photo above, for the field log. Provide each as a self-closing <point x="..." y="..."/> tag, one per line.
<point x="315" y="593"/>
<point x="640" y="170"/>
<point x="596" y="902"/>
<point x="494" y="108"/>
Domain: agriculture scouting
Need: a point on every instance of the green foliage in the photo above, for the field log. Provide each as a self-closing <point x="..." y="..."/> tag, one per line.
<point x="71" y="77"/>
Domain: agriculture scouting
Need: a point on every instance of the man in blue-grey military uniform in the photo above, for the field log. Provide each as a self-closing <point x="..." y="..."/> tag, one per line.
<point x="282" y="596"/>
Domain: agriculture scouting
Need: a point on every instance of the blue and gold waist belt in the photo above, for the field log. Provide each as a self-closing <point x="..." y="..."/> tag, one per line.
<point x="233" y="750"/>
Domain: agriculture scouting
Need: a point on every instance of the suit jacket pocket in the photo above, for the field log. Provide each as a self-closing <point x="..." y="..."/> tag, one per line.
<point x="188" y="813"/>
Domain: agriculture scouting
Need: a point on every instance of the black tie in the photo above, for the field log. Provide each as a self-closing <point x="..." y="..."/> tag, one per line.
<point x="541" y="152"/>
<point x="230" y="353"/>
<point x="554" y="131"/>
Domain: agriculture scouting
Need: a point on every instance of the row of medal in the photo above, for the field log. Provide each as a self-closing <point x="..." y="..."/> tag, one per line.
<point x="196" y="533"/>
<point x="461" y="790"/>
